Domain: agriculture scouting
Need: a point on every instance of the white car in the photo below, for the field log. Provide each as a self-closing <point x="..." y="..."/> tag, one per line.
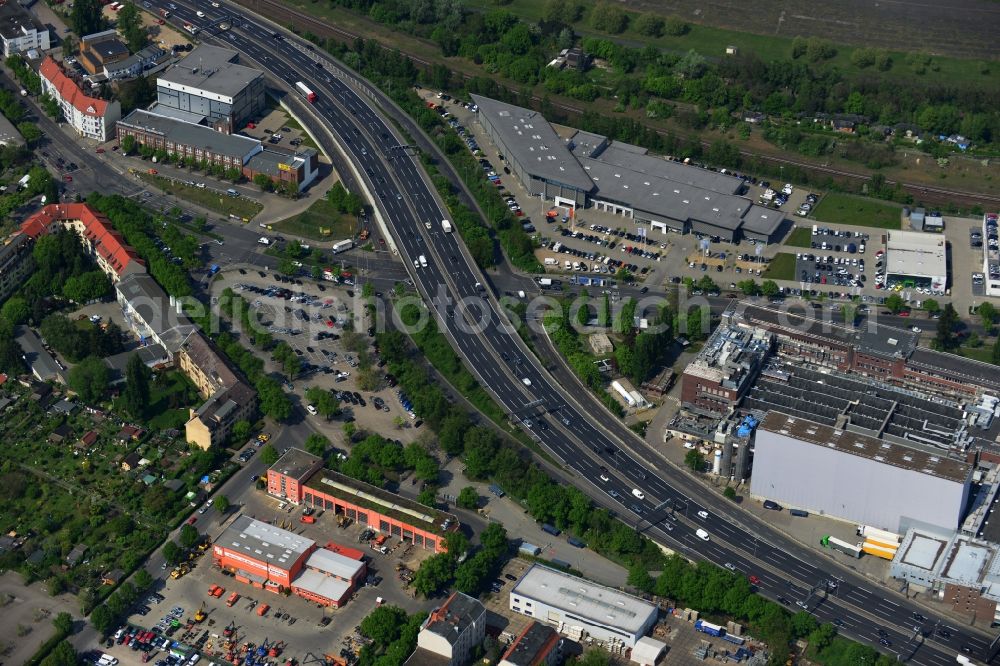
<point x="689" y="445"/>
<point x="311" y="410"/>
<point x="215" y="4"/>
<point x="427" y="225"/>
<point x="703" y="515"/>
<point x="730" y="566"/>
<point x="604" y="477"/>
<point x="916" y="329"/>
<point x="638" y="494"/>
<point x="702" y="534"/>
<point x="200" y="14"/>
<point x="526" y="381"/>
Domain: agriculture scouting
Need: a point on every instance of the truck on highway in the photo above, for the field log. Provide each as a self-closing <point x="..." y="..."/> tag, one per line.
<point x="709" y="628"/>
<point x="342" y="246"/>
<point x="190" y="28"/>
<point x="306" y="92"/>
<point x="844" y="547"/>
<point x="446" y="225"/>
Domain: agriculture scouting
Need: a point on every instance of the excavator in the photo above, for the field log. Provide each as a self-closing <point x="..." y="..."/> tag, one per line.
<point x="200" y="616"/>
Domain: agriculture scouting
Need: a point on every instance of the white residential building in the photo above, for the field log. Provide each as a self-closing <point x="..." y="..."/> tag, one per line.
<point x="20" y="30"/>
<point x="91" y="117"/>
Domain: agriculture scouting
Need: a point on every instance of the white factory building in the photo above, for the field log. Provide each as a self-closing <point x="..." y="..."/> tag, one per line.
<point x="916" y="259"/>
<point x="581" y="609"/>
<point x="831" y="471"/>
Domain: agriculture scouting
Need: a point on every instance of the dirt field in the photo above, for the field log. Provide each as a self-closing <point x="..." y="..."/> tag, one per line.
<point x="28" y="608"/>
<point x="962" y="28"/>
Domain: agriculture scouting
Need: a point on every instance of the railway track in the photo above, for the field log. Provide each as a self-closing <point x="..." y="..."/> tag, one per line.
<point x="930" y="195"/>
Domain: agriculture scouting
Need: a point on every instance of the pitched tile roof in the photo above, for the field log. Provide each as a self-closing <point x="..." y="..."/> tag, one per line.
<point x="107" y="242"/>
<point x="68" y="90"/>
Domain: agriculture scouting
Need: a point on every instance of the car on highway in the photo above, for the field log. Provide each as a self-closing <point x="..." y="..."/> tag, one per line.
<point x="730" y="566"/>
<point x="753" y="580"/>
<point x="702" y="534"/>
<point x="200" y="14"/>
<point x="526" y="381"/>
<point x="638" y="494"/>
<point x="604" y="475"/>
<point x="703" y="515"/>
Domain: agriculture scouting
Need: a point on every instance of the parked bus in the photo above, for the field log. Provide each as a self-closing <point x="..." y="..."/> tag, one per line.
<point x="308" y="94"/>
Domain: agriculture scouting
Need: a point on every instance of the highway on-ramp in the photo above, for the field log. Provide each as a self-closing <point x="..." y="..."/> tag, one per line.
<point x="472" y="319"/>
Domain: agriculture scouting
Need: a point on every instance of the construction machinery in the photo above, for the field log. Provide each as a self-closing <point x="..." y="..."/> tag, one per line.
<point x="230" y="630"/>
<point x="276" y="649"/>
<point x="216" y="591"/>
<point x="200" y="615"/>
<point x="233" y="598"/>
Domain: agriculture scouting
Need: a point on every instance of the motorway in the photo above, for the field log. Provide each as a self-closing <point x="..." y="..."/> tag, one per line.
<point x="473" y="321"/>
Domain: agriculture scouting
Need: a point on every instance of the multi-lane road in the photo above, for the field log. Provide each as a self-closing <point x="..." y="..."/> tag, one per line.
<point x="472" y="319"/>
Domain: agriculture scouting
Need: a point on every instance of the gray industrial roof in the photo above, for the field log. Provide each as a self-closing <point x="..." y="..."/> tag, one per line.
<point x="264" y="542"/>
<point x="295" y="464"/>
<point x="639" y="159"/>
<point x="335" y="564"/>
<point x="206" y="138"/>
<point x="856" y="444"/>
<point x="211" y="69"/>
<point x="584" y="598"/>
<point x="662" y="197"/>
<point x="41" y="362"/>
<point x="165" y="111"/>
<point x="958" y="367"/>
<point x="15" y="20"/>
<point x="267" y="161"/>
<point x="535" y="144"/>
<point x="762" y="220"/>
<point x="587" y="144"/>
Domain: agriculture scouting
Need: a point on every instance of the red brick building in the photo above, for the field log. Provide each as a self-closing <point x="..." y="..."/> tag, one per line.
<point x="299" y="477"/>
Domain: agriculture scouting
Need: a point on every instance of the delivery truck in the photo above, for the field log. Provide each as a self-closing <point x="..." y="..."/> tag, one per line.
<point x="709" y="628"/>
<point x="446" y="226"/>
<point x="342" y="246"/>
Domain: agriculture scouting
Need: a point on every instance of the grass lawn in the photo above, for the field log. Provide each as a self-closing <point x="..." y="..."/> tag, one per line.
<point x="321" y="221"/>
<point x="168" y="400"/>
<point x="205" y="198"/>
<point x="782" y="267"/>
<point x="838" y="208"/>
<point x="800" y="237"/>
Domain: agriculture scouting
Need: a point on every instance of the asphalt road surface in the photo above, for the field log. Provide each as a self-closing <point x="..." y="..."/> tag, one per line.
<point x="448" y="283"/>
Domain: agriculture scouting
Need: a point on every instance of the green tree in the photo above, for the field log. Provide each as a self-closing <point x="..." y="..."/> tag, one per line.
<point x="932" y="306"/>
<point x="694" y="460"/>
<point x="142" y="579"/>
<point x="62" y="654"/>
<point x="317" y="444"/>
<point x="988" y="314"/>
<point x="127" y="145"/>
<point x="135" y="396"/>
<point x="130" y="26"/>
<point x="608" y="18"/>
<point x="676" y="26"/>
<point x="189" y="536"/>
<point x="89" y="378"/>
<point x="729" y="493"/>
<point x="86" y="18"/>
<point x="769" y="288"/>
<point x="171" y="553"/>
<point x="15" y="310"/>
<point x="434" y="574"/>
<point x="264" y="182"/>
<point x="895" y="303"/>
<point x="241" y="430"/>
<point x="995" y="358"/>
<point x="945" y="337"/>
<point x="468" y="498"/>
<point x="268" y="455"/>
<point x="639" y="578"/>
<point x="102" y="618"/>
<point x="650" y="25"/>
<point x="221" y="504"/>
<point x="323" y="400"/>
<point x="383" y="625"/>
<point x="63" y="623"/>
<point x="594" y="657"/>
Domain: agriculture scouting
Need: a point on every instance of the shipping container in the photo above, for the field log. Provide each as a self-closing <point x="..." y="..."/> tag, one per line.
<point x="878" y="551"/>
<point x="708" y="628"/>
<point x="842" y="546"/>
<point x="870" y="532"/>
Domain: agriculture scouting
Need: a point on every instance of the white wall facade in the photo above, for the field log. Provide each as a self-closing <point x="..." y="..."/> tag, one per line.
<point x="575" y="626"/>
<point x="832" y="482"/>
<point x="29" y="39"/>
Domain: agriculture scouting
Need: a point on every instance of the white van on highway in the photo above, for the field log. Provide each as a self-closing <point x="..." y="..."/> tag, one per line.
<point x="638" y="493"/>
<point x="702" y="534"/>
<point x="423" y="261"/>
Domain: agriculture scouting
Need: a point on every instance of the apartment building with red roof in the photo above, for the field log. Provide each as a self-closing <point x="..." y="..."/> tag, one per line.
<point x="107" y="247"/>
<point x="91" y="117"/>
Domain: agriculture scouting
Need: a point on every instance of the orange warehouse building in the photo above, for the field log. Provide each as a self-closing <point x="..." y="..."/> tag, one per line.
<point x="273" y="559"/>
<point x="299" y="477"/>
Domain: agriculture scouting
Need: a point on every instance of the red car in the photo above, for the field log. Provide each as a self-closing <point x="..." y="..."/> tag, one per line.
<point x="100" y="151"/>
<point x="904" y="313"/>
<point x="192" y="520"/>
<point x="68" y="178"/>
<point x="754" y="580"/>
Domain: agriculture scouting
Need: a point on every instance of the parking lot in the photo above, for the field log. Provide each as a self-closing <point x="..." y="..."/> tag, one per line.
<point x="311" y="318"/>
<point x="303" y="626"/>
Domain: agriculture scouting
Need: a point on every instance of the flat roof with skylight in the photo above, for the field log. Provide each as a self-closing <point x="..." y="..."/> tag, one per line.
<point x="264" y="542"/>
